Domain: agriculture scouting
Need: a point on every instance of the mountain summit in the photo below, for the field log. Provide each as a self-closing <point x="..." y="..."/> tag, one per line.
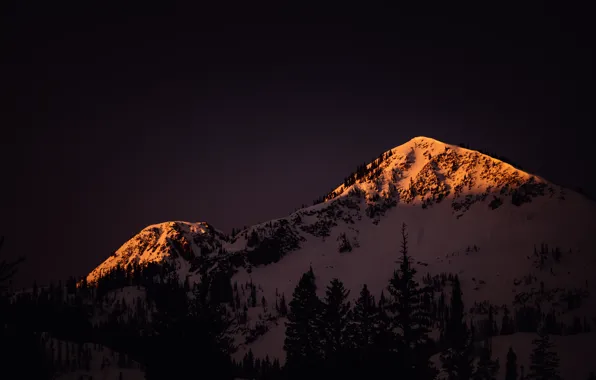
<point x="427" y="171"/>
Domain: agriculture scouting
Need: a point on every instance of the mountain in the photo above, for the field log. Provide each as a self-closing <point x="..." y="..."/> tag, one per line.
<point x="514" y="239"/>
<point x="176" y="242"/>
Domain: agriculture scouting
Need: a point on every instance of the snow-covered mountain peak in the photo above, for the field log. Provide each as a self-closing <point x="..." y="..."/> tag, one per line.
<point x="154" y="243"/>
<point x="427" y="171"/>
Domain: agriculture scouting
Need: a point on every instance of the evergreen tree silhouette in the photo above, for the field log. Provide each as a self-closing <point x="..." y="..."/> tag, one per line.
<point x="364" y="318"/>
<point x="363" y="331"/>
<point x="334" y="323"/>
<point x="491" y="324"/>
<point x="544" y="361"/>
<point x="410" y="321"/>
<point x="283" y="308"/>
<point x="303" y="341"/>
<point x="507" y="325"/>
<point x="253" y="296"/>
<point x="457" y="359"/>
<point x="511" y="365"/>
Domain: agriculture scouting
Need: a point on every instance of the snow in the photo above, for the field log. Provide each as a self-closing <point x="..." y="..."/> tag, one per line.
<point x="439" y="237"/>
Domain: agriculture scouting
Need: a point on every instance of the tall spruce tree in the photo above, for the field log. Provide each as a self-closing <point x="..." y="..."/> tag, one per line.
<point x="410" y="320"/>
<point x="511" y="365"/>
<point x="544" y="360"/>
<point x="363" y="332"/>
<point x="458" y="338"/>
<point x="335" y="320"/>
<point x="491" y="327"/>
<point x="336" y="317"/>
<point x="507" y="325"/>
<point x="364" y="319"/>
<point x="283" y="308"/>
<point x="303" y="341"/>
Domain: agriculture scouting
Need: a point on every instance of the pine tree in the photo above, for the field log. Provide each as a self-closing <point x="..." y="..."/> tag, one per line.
<point x="303" y="341"/>
<point x="364" y="317"/>
<point x="311" y="274"/>
<point x="283" y="308"/>
<point x="544" y="361"/>
<point x="237" y="301"/>
<point x="363" y="331"/>
<point x="409" y="320"/>
<point x="382" y="300"/>
<point x="491" y="322"/>
<point x="458" y="338"/>
<point x="335" y="316"/>
<point x="455" y="326"/>
<point x="507" y="326"/>
<point x="334" y="323"/>
<point x="511" y="366"/>
<point x="253" y="296"/>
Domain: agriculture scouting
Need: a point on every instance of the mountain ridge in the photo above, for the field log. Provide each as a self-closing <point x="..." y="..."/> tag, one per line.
<point x="433" y="169"/>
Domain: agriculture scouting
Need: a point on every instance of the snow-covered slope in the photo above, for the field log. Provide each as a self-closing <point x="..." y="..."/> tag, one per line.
<point x="178" y="242"/>
<point x="467" y="214"/>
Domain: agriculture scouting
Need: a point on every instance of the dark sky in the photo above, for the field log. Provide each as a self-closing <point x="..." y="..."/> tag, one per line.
<point x="119" y="118"/>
